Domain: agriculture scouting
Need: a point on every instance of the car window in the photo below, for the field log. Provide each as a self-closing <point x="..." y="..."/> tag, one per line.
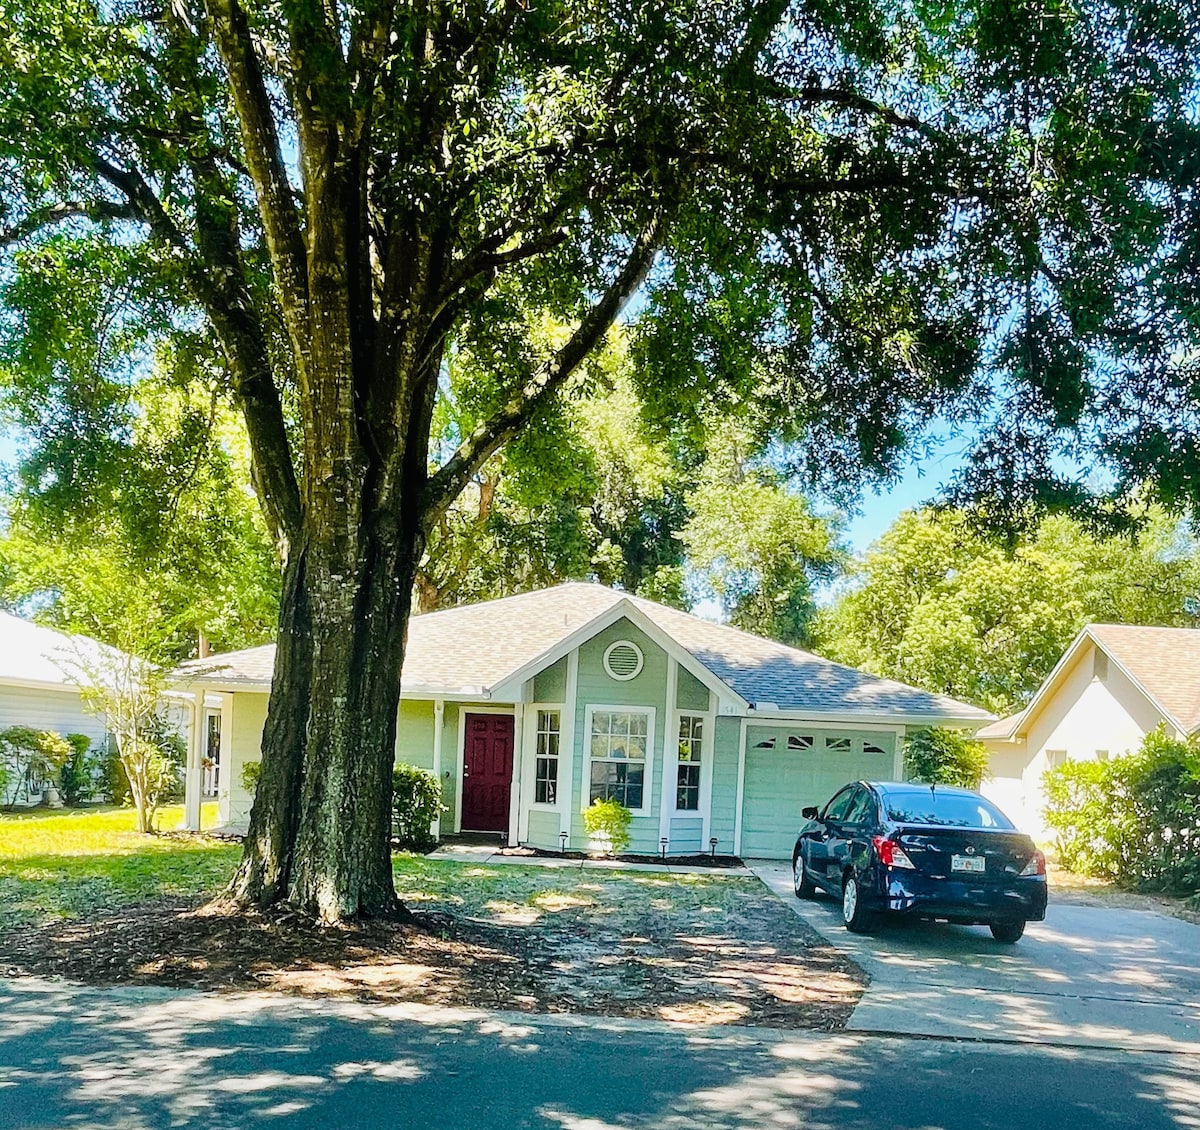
<point x="862" y="809"/>
<point x="960" y="810"/>
<point x="837" y="808"/>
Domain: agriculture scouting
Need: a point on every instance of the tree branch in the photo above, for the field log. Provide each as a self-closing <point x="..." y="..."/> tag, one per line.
<point x="444" y="486"/>
<point x="260" y="136"/>
<point x="52" y="214"/>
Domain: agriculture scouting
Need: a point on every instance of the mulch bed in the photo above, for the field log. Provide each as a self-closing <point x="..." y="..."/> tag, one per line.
<point x="659" y="971"/>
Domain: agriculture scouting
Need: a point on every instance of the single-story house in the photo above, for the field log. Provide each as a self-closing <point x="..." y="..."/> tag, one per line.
<point x="1113" y="685"/>
<point x="531" y="707"/>
<point x="35" y="685"/>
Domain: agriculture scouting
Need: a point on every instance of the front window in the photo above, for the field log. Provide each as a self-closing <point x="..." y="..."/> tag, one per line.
<point x="691" y="749"/>
<point x="619" y="741"/>
<point x="545" y="784"/>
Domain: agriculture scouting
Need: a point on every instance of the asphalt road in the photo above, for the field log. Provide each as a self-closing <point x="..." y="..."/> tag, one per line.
<point x="133" y="1060"/>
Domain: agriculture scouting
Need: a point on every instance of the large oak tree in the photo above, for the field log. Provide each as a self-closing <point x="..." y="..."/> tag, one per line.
<point x="858" y="212"/>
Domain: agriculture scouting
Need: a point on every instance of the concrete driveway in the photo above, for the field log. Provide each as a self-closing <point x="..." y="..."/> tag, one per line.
<point x="1087" y="976"/>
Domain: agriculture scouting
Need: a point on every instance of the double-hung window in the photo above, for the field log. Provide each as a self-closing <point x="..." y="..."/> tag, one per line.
<point x="691" y="750"/>
<point x="545" y="782"/>
<point x="618" y="746"/>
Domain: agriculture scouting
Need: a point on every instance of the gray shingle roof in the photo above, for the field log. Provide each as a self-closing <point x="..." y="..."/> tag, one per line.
<point x="477" y="647"/>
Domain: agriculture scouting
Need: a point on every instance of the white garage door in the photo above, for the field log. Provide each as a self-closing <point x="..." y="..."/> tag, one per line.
<point x="788" y="769"/>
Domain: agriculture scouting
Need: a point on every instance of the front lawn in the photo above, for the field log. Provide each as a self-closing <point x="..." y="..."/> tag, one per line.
<point x="56" y="864"/>
<point x="83" y="896"/>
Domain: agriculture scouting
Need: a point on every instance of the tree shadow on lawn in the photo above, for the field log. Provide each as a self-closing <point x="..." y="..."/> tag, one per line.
<point x="682" y="948"/>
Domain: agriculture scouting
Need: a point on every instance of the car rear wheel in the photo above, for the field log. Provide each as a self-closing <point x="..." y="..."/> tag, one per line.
<point x="1008" y="932"/>
<point x="801" y="883"/>
<point x="857" y="918"/>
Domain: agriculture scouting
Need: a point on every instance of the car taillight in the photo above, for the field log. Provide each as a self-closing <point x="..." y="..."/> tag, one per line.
<point x="1036" y="864"/>
<point x="891" y="854"/>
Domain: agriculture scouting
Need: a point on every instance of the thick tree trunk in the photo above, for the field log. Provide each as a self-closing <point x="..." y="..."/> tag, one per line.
<point x="320" y="829"/>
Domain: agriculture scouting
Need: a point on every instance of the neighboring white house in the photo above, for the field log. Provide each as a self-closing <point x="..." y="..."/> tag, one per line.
<point x="35" y="689"/>
<point x="530" y="708"/>
<point x="1113" y="685"/>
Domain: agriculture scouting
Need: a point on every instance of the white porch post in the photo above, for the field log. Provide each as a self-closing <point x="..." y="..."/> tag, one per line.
<point x="225" y="779"/>
<point x="514" y="802"/>
<point x="193" y="779"/>
<point x="439" y="718"/>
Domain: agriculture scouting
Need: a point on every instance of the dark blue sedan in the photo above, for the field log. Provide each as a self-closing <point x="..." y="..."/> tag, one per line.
<point x="921" y="851"/>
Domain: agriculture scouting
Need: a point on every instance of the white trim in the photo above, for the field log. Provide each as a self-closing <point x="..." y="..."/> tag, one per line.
<point x="514" y="785"/>
<point x="508" y="689"/>
<point x="439" y="724"/>
<point x="458" y="768"/>
<point x="822" y="724"/>
<point x="706" y="777"/>
<point x="194" y="779"/>
<point x="585" y="791"/>
<point x="884" y="718"/>
<point x="670" y="756"/>
<point x="463" y="711"/>
<point x="606" y="661"/>
<point x="741" y="790"/>
<point x="225" y="760"/>
<point x="898" y="758"/>
<point x="566" y="744"/>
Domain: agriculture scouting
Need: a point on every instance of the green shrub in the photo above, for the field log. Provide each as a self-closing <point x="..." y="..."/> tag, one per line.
<point x="77" y="778"/>
<point x="608" y="821"/>
<point x="34" y="757"/>
<point x="945" y="757"/>
<point x="1135" y="819"/>
<point x="114" y="782"/>
<point x="251" y="771"/>
<point x="416" y="804"/>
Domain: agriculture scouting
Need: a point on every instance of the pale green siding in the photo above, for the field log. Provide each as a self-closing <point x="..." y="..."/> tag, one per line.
<point x="543" y="829"/>
<point x="550" y="685"/>
<point x="414" y="734"/>
<point x="691" y="694"/>
<point x="686" y="835"/>
<point x="724" y="783"/>
<point x="449" y="765"/>
<point x="596" y="687"/>
<point x="245" y="744"/>
<point x="780" y="780"/>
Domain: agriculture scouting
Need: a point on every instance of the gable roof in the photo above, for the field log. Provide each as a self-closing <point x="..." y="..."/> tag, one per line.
<point x="1162" y="663"/>
<point x="473" y="649"/>
<point x="31" y="655"/>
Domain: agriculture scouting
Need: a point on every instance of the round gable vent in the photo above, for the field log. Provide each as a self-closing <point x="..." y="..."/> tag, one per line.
<point x="623" y="660"/>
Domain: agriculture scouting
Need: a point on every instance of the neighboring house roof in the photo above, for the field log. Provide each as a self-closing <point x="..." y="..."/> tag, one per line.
<point x="474" y="649"/>
<point x="1163" y="663"/>
<point x="31" y="655"/>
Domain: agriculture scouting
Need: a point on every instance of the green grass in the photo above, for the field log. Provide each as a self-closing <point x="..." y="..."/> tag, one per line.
<point x="64" y="864"/>
<point x="56" y="865"/>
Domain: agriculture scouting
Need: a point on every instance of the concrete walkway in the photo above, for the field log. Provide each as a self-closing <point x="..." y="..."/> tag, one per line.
<point x="1087" y="976"/>
<point x="491" y="855"/>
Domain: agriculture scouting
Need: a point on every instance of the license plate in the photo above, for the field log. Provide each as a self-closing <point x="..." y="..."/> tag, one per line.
<point x="973" y="863"/>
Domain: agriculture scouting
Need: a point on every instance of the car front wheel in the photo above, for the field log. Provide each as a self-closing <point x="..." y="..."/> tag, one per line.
<point x="801" y="883"/>
<point x="1008" y="932"/>
<point x="857" y="918"/>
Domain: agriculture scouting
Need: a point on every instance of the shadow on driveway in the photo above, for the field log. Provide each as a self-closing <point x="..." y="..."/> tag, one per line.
<point x="1091" y="976"/>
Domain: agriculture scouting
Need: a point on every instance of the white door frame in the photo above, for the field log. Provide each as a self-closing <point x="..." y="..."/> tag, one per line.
<point x="459" y="758"/>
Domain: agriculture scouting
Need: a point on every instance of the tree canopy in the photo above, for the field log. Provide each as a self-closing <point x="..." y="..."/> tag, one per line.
<point x="939" y="605"/>
<point x="858" y="215"/>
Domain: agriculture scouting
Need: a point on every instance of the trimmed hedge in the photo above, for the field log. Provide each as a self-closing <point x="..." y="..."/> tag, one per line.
<point x="1134" y="819"/>
<point x="416" y="804"/>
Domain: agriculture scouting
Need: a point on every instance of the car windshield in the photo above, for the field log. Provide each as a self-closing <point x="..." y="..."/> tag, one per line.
<point x="928" y="806"/>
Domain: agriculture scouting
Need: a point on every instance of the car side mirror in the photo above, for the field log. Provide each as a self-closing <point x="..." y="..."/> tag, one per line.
<point x="809" y="813"/>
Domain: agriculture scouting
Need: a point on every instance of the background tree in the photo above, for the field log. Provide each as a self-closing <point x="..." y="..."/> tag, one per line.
<point x="938" y="604"/>
<point x="132" y="495"/>
<point x="755" y="543"/>
<point x="857" y="216"/>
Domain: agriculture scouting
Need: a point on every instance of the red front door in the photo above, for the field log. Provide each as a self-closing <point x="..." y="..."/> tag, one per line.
<point x="487" y="772"/>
